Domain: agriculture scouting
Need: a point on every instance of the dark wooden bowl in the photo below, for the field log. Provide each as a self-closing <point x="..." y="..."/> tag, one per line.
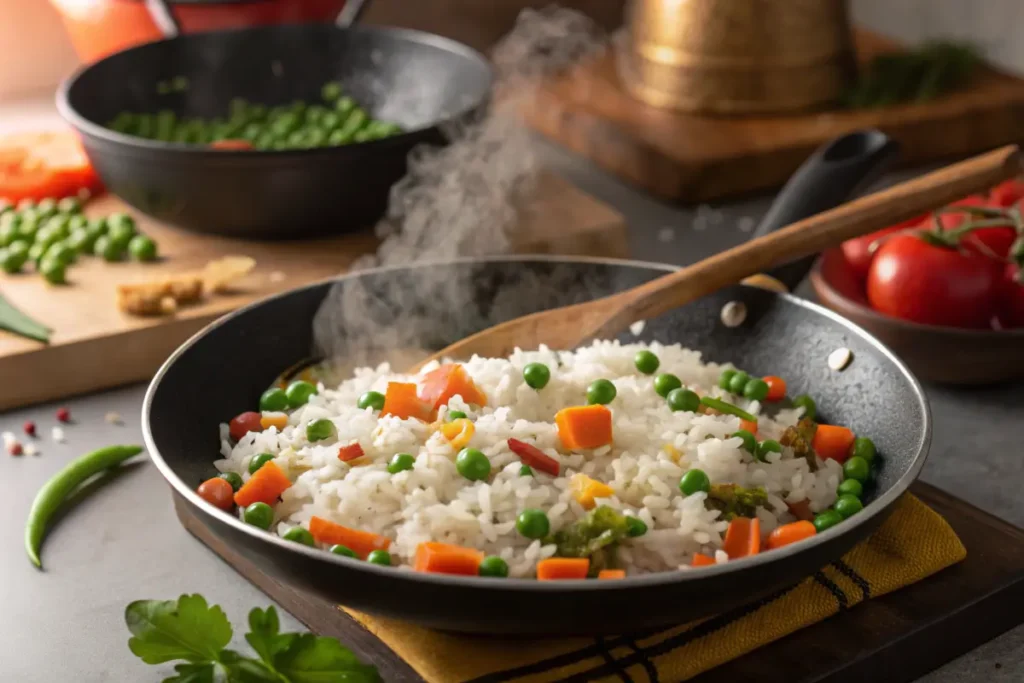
<point x="946" y="355"/>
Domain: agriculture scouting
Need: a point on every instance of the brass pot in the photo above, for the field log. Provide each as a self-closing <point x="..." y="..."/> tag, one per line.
<point x="737" y="56"/>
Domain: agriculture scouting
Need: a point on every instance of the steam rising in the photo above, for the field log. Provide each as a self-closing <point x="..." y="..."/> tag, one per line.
<point x="458" y="201"/>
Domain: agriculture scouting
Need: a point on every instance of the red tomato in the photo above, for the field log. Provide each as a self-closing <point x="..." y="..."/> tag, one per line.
<point x="860" y="250"/>
<point x="1007" y="193"/>
<point x="48" y="164"/>
<point x="1011" y="304"/>
<point x="934" y="285"/>
<point x="995" y="242"/>
<point x="244" y="423"/>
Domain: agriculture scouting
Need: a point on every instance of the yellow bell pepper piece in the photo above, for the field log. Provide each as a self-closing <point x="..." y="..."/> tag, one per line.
<point x="584" y="490"/>
<point x="279" y="420"/>
<point x="458" y="432"/>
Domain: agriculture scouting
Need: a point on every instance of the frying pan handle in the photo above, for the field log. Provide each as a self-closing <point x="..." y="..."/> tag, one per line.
<point x="834" y="173"/>
<point x="350" y="12"/>
<point x="163" y="16"/>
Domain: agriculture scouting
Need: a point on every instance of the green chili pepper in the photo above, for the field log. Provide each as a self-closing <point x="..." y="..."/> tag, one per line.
<point x="60" y="486"/>
<point x="727" y="408"/>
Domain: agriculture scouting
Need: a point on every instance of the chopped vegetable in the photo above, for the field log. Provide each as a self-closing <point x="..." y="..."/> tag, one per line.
<point x="277" y="420"/>
<point x="525" y="471"/>
<point x="401" y="400"/>
<point x="600" y="392"/>
<point x="727" y="408"/>
<point x="612" y="574"/>
<point x="274" y="400"/>
<point x="807" y="403"/>
<point x="218" y="493"/>
<point x="321" y="430"/>
<point x="259" y="460"/>
<point x="473" y="464"/>
<point x="776" y="388"/>
<point x="595" y="536"/>
<point x="381" y="557"/>
<point x="646" y="362"/>
<point x="492" y="565"/>
<point x="244" y="423"/>
<point x="351" y="452"/>
<point x="848" y="505"/>
<point x="459" y="432"/>
<point x="694" y="481"/>
<point x="265" y="486"/>
<point x="371" y="399"/>
<point x="441" y="385"/>
<point x="582" y="427"/>
<point x="742" y="538"/>
<point x="749" y="426"/>
<point x="453" y="415"/>
<point x="756" y="389"/>
<point x="556" y="568"/>
<point x="401" y="462"/>
<point x="233" y="479"/>
<point x="683" y="399"/>
<point x="665" y="383"/>
<point x="534" y="457"/>
<point x="56" y="490"/>
<point x="749" y="440"/>
<point x="765" y="447"/>
<point x="801" y="510"/>
<point x="298" y="393"/>
<point x="702" y="560"/>
<point x="790" y="533"/>
<point x="343" y="550"/>
<point x="585" y="490"/>
<point x="799" y="438"/>
<point x="37" y="165"/>
<point x="299" y="535"/>
<point x="533" y="523"/>
<point x="635" y="527"/>
<point x="833" y="441"/>
<point x="444" y="558"/>
<point x="536" y="375"/>
<point x="736" y="501"/>
<point x="362" y="543"/>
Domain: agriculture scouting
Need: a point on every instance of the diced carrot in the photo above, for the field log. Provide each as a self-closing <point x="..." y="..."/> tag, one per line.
<point x="801" y="510"/>
<point x="279" y="420"/>
<point x="584" y="490"/>
<point x="362" y="543"/>
<point x="350" y="452"/>
<point x="534" y="457"/>
<point x="264" y="486"/>
<point x="833" y="441"/>
<point x="776" y="388"/>
<point x="244" y="423"/>
<point x="612" y="574"/>
<point x="459" y="432"/>
<point x="702" y="560"/>
<point x="584" y="426"/>
<point x="790" y="533"/>
<point x="401" y="400"/>
<point x="440" y="385"/>
<point x="749" y="425"/>
<point x="444" y="558"/>
<point x="555" y="568"/>
<point x="742" y="538"/>
<point x="231" y="144"/>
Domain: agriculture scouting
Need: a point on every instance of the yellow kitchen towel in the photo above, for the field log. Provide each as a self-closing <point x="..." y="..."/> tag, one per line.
<point x="913" y="543"/>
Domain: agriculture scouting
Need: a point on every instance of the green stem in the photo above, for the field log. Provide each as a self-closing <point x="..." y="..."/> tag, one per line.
<point x="13" y="320"/>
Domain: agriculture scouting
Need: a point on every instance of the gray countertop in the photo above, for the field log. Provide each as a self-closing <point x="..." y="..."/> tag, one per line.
<point x="66" y="624"/>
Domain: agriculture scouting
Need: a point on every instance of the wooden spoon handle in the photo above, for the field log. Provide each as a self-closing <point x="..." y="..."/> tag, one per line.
<point x="803" y="238"/>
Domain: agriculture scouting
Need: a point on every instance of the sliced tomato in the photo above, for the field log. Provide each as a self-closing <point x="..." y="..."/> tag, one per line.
<point x="47" y="164"/>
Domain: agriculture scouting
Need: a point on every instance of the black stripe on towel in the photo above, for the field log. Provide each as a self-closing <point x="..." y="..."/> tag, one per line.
<point x="832" y="588"/>
<point x="609" y="658"/>
<point x="652" y="671"/>
<point x="851" y="573"/>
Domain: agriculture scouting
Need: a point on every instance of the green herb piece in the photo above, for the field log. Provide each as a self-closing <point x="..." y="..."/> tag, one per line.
<point x="595" y="536"/>
<point x="727" y="408"/>
<point x="13" y="320"/>
<point x="917" y="75"/>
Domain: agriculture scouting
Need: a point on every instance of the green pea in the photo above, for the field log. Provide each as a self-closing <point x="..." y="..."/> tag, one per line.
<point x="298" y="393"/>
<point x="258" y="461"/>
<point x="371" y="399"/>
<point x="5" y="206"/>
<point x="525" y="471"/>
<point x="69" y="205"/>
<point x="107" y="249"/>
<point x="8" y="231"/>
<point x="456" y="415"/>
<point x="739" y="382"/>
<point x="848" y="505"/>
<point x="646" y="362"/>
<point x="299" y="535"/>
<point x="807" y="403"/>
<point x="864" y="447"/>
<point x="826" y="520"/>
<point x="693" y="482"/>
<point x="339" y="137"/>
<point x="13" y="258"/>
<point x="850" y="487"/>
<point x="319" y="430"/>
<point x="363" y="135"/>
<point x="81" y="241"/>
<point x="749" y="440"/>
<point x="683" y="399"/>
<point x="97" y="227"/>
<point x="273" y="400"/>
<point x="77" y="222"/>
<point x="30" y="227"/>
<point x="142" y="248"/>
<point x="857" y="468"/>
<point x="26" y="204"/>
<point x="46" y="207"/>
<point x="473" y="464"/>
<point x="725" y="378"/>
<point x="61" y="251"/>
<point x="381" y="557"/>
<point x="329" y="121"/>
<point x="635" y="527"/>
<point x="536" y="375"/>
<point x="121" y="234"/>
<point x="232" y="478"/>
<point x="766" y="447"/>
<point x="344" y="551"/>
<point x="36" y="252"/>
<point x="259" y="515"/>
<point x="492" y="565"/>
<point x="756" y="390"/>
<point x="53" y="270"/>
<point x="533" y="523"/>
<point x="600" y="392"/>
<point x="344" y="105"/>
<point x="666" y="383"/>
<point x="401" y="462"/>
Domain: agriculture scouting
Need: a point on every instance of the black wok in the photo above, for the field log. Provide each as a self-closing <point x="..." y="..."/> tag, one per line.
<point x="224" y="368"/>
<point x="416" y="79"/>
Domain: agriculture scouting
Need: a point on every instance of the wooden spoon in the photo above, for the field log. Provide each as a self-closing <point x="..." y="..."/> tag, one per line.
<point x="572" y="326"/>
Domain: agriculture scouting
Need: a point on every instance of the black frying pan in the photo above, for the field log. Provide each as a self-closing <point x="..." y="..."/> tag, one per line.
<point x="782" y="335"/>
<point x="416" y="79"/>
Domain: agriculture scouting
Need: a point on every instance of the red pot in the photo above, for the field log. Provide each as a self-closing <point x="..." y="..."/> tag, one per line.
<point x="101" y="27"/>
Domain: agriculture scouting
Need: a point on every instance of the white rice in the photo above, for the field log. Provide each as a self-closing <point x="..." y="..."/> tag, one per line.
<point x="433" y="502"/>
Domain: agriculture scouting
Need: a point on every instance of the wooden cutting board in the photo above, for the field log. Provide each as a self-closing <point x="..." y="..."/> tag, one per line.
<point x="96" y="346"/>
<point x="895" y="638"/>
<point x="695" y="158"/>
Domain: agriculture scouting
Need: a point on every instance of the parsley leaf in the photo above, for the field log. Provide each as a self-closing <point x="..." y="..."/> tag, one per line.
<point x="263" y="634"/>
<point x="166" y="630"/>
<point x="318" y="659"/>
<point x="194" y="673"/>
